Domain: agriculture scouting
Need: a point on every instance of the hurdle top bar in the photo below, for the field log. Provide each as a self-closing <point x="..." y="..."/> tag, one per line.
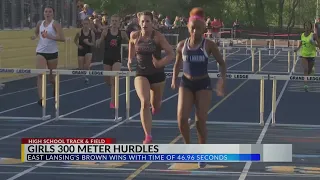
<point x="249" y="49"/>
<point x="168" y="74"/>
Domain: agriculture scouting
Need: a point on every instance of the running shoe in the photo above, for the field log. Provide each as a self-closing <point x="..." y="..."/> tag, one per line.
<point x="147" y="140"/>
<point x="306" y="88"/>
<point x="202" y="164"/>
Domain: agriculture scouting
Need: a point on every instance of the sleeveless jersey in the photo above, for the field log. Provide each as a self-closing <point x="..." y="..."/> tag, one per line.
<point x="195" y="60"/>
<point x="144" y="51"/>
<point x="113" y="46"/>
<point x="47" y="45"/>
<point x="307" y="49"/>
<point x="83" y="37"/>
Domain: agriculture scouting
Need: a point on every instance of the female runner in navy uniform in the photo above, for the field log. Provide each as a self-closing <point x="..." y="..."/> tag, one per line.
<point x="112" y="38"/>
<point x="146" y="45"/>
<point x="84" y="40"/>
<point x="195" y="88"/>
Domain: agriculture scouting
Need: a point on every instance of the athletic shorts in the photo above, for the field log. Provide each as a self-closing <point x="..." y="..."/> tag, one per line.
<point x="111" y="61"/>
<point x="155" y="78"/>
<point x="309" y="59"/>
<point x="49" y="56"/>
<point x="196" y="85"/>
<point x="84" y="52"/>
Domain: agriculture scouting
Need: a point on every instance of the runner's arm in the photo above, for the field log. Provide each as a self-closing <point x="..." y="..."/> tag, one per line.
<point x="60" y="34"/>
<point x="315" y="37"/>
<point x="299" y="46"/>
<point x="37" y="30"/>
<point x="131" y="49"/>
<point x="213" y="49"/>
<point x="167" y="48"/>
<point x="76" y="39"/>
<point x="177" y="64"/>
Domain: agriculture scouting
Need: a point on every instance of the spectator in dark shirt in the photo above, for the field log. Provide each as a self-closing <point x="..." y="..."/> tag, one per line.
<point x="236" y="29"/>
<point x="133" y="26"/>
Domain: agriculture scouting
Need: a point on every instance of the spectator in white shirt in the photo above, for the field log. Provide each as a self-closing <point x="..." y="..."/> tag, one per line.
<point x="84" y="13"/>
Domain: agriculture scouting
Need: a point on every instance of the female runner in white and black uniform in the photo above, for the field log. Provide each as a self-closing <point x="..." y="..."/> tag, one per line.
<point x="49" y="32"/>
<point x="84" y="40"/>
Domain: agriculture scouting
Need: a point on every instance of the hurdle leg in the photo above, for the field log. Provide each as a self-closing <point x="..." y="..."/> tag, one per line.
<point x="70" y="52"/>
<point x="252" y="59"/>
<point x="116" y="91"/>
<point x="57" y="94"/>
<point x="270" y="42"/>
<point x="274" y="101"/>
<point x="289" y="63"/>
<point x="294" y="61"/>
<point x="224" y="55"/>
<point x="246" y="46"/>
<point x="66" y="53"/>
<point x="274" y="47"/>
<point x="177" y="39"/>
<point x="262" y="102"/>
<point x="128" y="96"/>
<point x="259" y="60"/>
<point x="44" y="97"/>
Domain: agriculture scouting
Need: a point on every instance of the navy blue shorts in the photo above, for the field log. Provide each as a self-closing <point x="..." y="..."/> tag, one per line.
<point x="196" y="85"/>
<point x="309" y="59"/>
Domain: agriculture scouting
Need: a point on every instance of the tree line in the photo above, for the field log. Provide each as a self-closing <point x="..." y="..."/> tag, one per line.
<point x="251" y="13"/>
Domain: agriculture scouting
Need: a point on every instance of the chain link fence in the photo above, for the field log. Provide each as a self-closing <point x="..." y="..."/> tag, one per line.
<point x="24" y="14"/>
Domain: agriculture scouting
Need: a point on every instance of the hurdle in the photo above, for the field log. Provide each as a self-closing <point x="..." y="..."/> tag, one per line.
<point x="173" y="35"/>
<point x="224" y="56"/>
<point x="115" y="74"/>
<point x="269" y="44"/>
<point x="289" y="50"/>
<point x="253" y="53"/>
<point x="43" y="73"/>
<point x="260" y="50"/>
<point x="261" y="77"/>
<point x="260" y="58"/>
